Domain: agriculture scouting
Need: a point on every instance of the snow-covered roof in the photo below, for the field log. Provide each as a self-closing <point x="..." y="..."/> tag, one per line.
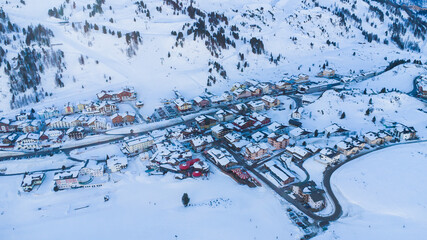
<point x="138" y="140"/>
<point x="258" y="136"/>
<point x="66" y="175"/>
<point x="275" y="126"/>
<point x="268" y="99"/>
<point x="202" y="140"/>
<point x="256" y="104"/>
<point x="29" y="178"/>
<point x="297" y="150"/>
<point x="32" y="136"/>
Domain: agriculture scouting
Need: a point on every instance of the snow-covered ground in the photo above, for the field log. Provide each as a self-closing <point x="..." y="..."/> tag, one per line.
<point x="36" y="164"/>
<point x="382" y="195"/>
<point x="143" y="206"/>
<point x="99" y="152"/>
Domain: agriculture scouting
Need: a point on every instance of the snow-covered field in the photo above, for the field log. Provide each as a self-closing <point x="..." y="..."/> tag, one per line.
<point x="144" y="207"/>
<point x="99" y="152"/>
<point x="382" y="195"/>
<point x="36" y="164"/>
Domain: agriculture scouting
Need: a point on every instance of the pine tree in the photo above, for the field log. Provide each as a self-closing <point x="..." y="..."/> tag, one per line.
<point x="185" y="199"/>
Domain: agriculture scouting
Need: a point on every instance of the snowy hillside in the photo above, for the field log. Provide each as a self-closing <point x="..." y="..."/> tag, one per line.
<point x="159" y="46"/>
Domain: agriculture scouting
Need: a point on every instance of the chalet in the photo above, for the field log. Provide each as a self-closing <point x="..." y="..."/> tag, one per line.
<point x="64" y="122"/>
<point x="105" y="96"/>
<point x="385" y="135"/>
<point x="7" y="126"/>
<point x="298" y="153"/>
<point x="295" y="123"/>
<point x="284" y="85"/>
<point x="308" y="192"/>
<point x="125" y="95"/>
<point x="255" y="91"/>
<point x="258" y="136"/>
<point x="200" y="143"/>
<point x="240" y="108"/>
<point x="32" y="126"/>
<point x="329" y="73"/>
<point x="270" y="101"/>
<point x="23" y="116"/>
<point x="221" y="157"/>
<point x="107" y="108"/>
<point x="224" y="115"/>
<point x="29" y="141"/>
<point x="316" y="200"/>
<point x="329" y="156"/>
<point x="405" y="133"/>
<point x="335" y="130"/>
<point x="256" y="151"/>
<point x="279" y="173"/>
<point x="81" y="106"/>
<point x="235" y="141"/>
<point x="355" y="142"/>
<point x="52" y="135"/>
<point x="92" y="168"/>
<point x="373" y="139"/>
<point x="312" y="149"/>
<point x="256" y="106"/>
<point x="241" y="93"/>
<point x="76" y="133"/>
<point x="299" y="133"/>
<point x="66" y="179"/>
<point x="8" y="141"/>
<point x="237" y="86"/>
<point x="276" y="127"/>
<point x="68" y="108"/>
<point x="128" y="117"/>
<point x="49" y="112"/>
<point x="99" y="123"/>
<point x="139" y="144"/>
<point x="242" y="123"/>
<point x="220" y="130"/>
<point x="30" y="180"/>
<point x="265" y="88"/>
<point x="116" y="119"/>
<point x="227" y="96"/>
<point x="182" y="105"/>
<point x="347" y="148"/>
<point x="187" y="133"/>
<point x="217" y="99"/>
<point x="201" y="102"/>
<point x="116" y="164"/>
<point x="205" y="122"/>
<point x="260" y="118"/>
<point x="278" y="141"/>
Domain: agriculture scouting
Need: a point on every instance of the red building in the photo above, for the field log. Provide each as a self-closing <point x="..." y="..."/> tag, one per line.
<point x="117" y="119"/>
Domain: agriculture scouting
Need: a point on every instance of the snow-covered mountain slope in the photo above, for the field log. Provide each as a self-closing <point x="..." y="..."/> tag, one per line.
<point x="158" y="46"/>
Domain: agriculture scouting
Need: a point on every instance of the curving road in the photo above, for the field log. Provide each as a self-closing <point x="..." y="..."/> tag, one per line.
<point x="330" y="170"/>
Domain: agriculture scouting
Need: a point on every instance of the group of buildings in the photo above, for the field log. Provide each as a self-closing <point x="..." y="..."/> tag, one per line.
<point x="31" y="130"/>
<point x="91" y="174"/>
